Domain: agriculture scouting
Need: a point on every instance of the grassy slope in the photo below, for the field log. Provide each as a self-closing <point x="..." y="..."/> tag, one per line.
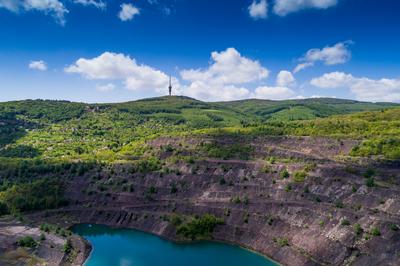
<point x="56" y="129"/>
<point x="290" y="110"/>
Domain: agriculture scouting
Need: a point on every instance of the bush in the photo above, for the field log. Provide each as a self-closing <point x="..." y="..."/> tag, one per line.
<point x="282" y="242"/>
<point x="300" y="176"/>
<point x="358" y="229"/>
<point x="375" y="231"/>
<point x="345" y="222"/>
<point x="3" y="209"/>
<point x="285" y="174"/>
<point x="68" y="246"/>
<point x="369" y="173"/>
<point x="394" y="227"/>
<point x="370" y="182"/>
<point x="175" y="220"/>
<point x="236" y="200"/>
<point x="38" y="195"/>
<point x="27" y="242"/>
<point x="174" y="189"/>
<point x="200" y="228"/>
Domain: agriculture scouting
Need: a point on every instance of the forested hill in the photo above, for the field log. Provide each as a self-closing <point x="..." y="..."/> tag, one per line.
<point x="185" y="110"/>
<point x="66" y="130"/>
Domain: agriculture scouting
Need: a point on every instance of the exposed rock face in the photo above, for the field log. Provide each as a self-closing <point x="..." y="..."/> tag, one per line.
<point x="48" y="248"/>
<point x="324" y="212"/>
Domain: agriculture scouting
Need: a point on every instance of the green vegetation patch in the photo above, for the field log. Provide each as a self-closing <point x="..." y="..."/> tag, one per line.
<point x="199" y="228"/>
<point x="225" y="151"/>
<point x="38" y="195"/>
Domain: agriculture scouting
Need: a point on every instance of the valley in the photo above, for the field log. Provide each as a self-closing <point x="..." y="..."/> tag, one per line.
<point x="304" y="182"/>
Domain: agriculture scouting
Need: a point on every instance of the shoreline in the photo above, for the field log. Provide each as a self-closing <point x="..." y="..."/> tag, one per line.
<point x="172" y="240"/>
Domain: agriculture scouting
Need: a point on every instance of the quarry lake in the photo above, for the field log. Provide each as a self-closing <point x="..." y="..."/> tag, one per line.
<point x="127" y="247"/>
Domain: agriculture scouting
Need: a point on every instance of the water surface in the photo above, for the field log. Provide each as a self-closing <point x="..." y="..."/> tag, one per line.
<point x="125" y="247"/>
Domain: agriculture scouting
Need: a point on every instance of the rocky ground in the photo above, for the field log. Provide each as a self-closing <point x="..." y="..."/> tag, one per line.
<point x="298" y="200"/>
<point x="47" y="248"/>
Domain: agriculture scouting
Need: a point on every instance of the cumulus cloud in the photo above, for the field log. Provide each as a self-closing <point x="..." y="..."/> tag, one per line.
<point x="285" y="7"/>
<point x="273" y="93"/>
<point x="329" y="55"/>
<point x="228" y="67"/>
<point x="96" y="3"/>
<point x="258" y="9"/>
<point x="285" y="79"/>
<point x="11" y="5"/>
<point x="38" y="65"/>
<point x="212" y="92"/>
<point x="128" y="11"/>
<point x="112" y="66"/>
<point x="105" y="87"/>
<point x="224" y="78"/>
<point x="55" y="8"/>
<point x="365" y="89"/>
<point x="333" y="80"/>
<point x="228" y="77"/>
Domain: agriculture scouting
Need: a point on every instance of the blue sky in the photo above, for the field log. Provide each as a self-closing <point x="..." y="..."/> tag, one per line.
<point x="110" y="51"/>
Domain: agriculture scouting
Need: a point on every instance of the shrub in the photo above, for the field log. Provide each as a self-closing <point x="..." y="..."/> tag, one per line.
<point x="246" y="200"/>
<point x="370" y="182"/>
<point x="339" y="205"/>
<point x="152" y="190"/>
<point x="236" y="200"/>
<point x="68" y="246"/>
<point x="369" y="173"/>
<point x="394" y="227"/>
<point x="174" y="189"/>
<point x="175" y="220"/>
<point x="27" y="242"/>
<point x="199" y="228"/>
<point x="345" y="222"/>
<point x="285" y="174"/>
<point x="3" y="209"/>
<point x="38" y="195"/>
<point x="300" y="176"/>
<point x="222" y="181"/>
<point x="358" y="229"/>
<point x="375" y="231"/>
<point x="282" y="242"/>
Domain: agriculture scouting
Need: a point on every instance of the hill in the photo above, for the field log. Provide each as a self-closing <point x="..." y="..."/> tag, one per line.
<point x="60" y="129"/>
<point x="305" y="182"/>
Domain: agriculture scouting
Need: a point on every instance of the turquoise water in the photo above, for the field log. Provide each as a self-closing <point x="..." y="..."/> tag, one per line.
<point x="124" y="247"/>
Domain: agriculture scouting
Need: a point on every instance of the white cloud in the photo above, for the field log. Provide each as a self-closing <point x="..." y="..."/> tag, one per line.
<point x="128" y="11"/>
<point x="329" y="55"/>
<point x="221" y="80"/>
<point x="333" y="80"/>
<point x="302" y="66"/>
<point x="284" y="7"/>
<point x="258" y="9"/>
<point x="96" y="3"/>
<point x="365" y="89"/>
<point x="38" y="65"/>
<point x="112" y="66"/>
<point x="55" y="8"/>
<point x="226" y="78"/>
<point x="11" y="5"/>
<point x="208" y="92"/>
<point x="228" y="67"/>
<point x="105" y="87"/>
<point x="274" y="93"/>
<point x="285" y="79"/>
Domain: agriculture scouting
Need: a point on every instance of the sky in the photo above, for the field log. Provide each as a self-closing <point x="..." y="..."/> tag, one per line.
<point x="214" y="50"/>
